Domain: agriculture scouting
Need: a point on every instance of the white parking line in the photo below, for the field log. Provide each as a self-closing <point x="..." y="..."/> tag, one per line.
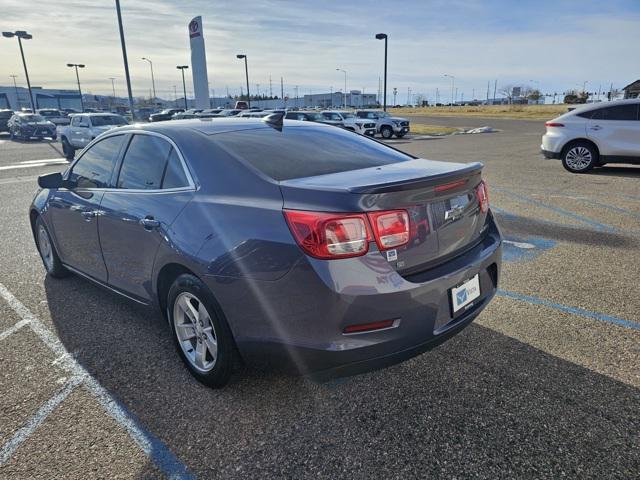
<point x="13" y="329"/>
<point x="34" y="422"/>
<point x="161" y="456"/>
<point x="39" y="163"/>
<point x="44" y="160"/>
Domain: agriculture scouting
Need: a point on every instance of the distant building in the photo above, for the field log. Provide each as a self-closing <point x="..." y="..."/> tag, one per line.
<point x="354" y="98"/>
<point x="632" y="90"/>
<point x="16" y="98"/>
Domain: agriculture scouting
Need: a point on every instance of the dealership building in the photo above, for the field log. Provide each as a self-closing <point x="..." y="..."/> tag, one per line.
<point x="15" y="98"/>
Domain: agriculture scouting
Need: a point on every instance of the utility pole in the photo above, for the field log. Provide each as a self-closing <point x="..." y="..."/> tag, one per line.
<point x="284" y="103"/>
<point x="270" y="88"/>
<point x="395" y="92"/>
<point x="487" y="92"/>
<point x="126" y="62"/>
<point x="495" y="88"/>
<point x="15" y="87"/>
<point x="113" y="89"/>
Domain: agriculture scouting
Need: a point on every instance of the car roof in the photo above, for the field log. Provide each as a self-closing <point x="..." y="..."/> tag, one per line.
<point x="211" y="126"/>
<point x="594" y="106"/>
<point x="95" y="114"/>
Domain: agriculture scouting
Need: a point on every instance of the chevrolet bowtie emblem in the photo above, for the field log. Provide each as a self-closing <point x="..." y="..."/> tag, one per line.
<point x="454" y="213"/>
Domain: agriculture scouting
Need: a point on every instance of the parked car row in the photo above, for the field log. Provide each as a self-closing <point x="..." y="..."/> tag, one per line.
<point x="364" y="122"/>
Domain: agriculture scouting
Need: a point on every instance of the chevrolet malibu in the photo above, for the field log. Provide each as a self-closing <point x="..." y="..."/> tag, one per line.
<point x="286" y="243"/>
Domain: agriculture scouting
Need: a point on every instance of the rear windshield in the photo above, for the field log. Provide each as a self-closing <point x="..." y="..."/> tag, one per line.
<point x="102" y="120"/>
<point x="298" y="152"/>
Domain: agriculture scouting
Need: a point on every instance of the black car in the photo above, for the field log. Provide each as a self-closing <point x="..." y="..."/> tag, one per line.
<point x="5" y="115"/>
<point x="165" y="114"/>
<point x="29" y="125"/>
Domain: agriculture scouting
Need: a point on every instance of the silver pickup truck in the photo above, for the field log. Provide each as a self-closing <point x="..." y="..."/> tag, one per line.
<point x="386" y="125"/>
<point x="83" y="128"/>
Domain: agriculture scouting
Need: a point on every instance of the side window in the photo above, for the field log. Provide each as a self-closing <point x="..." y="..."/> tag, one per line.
<point x="151" y="163"/>
<point x="617" y="112"/>
<point x="94" y="168"/>
<point x="75" y="121"/>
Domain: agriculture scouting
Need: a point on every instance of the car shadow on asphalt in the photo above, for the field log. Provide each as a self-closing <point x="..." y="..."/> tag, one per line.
<point x="486" y="403"/>
<point x="617" y="171"/>
<point x="482" y="403"/>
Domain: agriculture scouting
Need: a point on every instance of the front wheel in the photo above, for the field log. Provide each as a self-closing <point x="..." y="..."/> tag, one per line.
<point x="48" y="253"/>
<point x="68" y="151"/>
<point x="386" y="132"/>
<point x="201" y="334"/>
<point x="580" y="157"/>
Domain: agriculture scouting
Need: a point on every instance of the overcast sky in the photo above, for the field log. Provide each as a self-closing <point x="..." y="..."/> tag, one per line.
<point x="553" y="45"/>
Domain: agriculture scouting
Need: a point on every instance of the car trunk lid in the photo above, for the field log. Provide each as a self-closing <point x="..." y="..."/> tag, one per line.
<point x="440" y="197"/>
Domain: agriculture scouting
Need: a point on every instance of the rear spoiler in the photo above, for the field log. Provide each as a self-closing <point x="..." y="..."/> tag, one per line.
<point x="431" y="180"/>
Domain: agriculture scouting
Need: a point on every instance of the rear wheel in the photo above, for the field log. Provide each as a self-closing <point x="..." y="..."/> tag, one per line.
<point x="201" y="334"/>
<point x="48" y="253"/>
<point x="68" y="151"/>
<point x="580" y="157"/>
<point x="386" y="131"/>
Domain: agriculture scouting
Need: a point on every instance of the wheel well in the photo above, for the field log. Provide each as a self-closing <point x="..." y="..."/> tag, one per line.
<point x="166" y="276"/>
<point x="33" y="216"/>
<point x="579" y="140"/>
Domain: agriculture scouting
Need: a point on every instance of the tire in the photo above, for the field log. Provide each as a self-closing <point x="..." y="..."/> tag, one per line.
<point x="48" y="252"/>
<point x="386" y="131"/>
<point x="198" y="326"/>
<point x="68" y="151"/>
<point x="579" y="157"/>
<point x="12" y="135"/>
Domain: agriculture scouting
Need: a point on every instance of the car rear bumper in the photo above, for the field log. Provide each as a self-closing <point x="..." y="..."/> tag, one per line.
<point x="303" y="315"/>
<point x="549" y="154"/>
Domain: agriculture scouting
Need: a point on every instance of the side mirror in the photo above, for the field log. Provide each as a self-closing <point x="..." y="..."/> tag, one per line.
<point x="53" y="180"/>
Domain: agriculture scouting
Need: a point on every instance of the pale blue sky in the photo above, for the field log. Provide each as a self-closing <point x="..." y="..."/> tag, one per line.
<point x="554" y="45"/>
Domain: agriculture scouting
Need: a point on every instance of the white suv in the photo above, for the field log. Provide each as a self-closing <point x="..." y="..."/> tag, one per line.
<point x="593" y="135"/>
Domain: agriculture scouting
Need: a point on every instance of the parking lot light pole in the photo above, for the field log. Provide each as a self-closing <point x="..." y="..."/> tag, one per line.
<point x="246" y="73"/>
<point x="22" y="35"/>
<point x="383" y="36"/>
<point x="153" y="82"/>
<point x="76" y="66"/>
<point x="345" y="85"/>
<point x="453" y="80"/>
<point x="184" y="85"/>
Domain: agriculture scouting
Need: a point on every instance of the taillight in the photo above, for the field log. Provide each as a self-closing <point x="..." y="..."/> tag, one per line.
<point x="391" y="228"/>
<point x="553" y="124"/>
<point x="329" y="235"/>
<point x="482" y="193"/>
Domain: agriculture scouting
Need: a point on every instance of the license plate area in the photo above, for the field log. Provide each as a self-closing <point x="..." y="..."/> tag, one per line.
<point x="463" y="295"/>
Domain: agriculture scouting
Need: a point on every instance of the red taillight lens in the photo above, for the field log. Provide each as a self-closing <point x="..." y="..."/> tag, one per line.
<point x="329" y="235"/>
<point x="482" y="192"/>
<point x="391" y="228"/>
<point x="368" y="327"/>
<point x="553" y="124"/>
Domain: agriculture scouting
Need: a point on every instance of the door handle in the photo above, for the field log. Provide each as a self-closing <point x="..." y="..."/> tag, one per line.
<point x="88" y="215"/>
<point x="596" y="127"/>
<point x="149" y="223"/>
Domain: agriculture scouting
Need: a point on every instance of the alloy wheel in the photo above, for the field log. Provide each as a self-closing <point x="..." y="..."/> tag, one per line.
<point x="579" y="158"/>
<point x="195" y="332"/>
<point x="45" y="248"/>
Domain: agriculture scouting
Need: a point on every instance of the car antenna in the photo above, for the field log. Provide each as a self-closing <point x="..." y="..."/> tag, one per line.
<point x="275" y="120"/>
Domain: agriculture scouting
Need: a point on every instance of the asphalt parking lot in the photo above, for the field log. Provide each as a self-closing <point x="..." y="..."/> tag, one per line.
<point x="544" y="384"/>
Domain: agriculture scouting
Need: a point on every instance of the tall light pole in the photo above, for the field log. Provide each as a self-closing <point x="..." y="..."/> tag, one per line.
<point x="76" y="66"/>
<point x="184" y="85"/>
<point x="383" y="36"/>
<point x="345" y="85"/>
<point x="153" y="82"/>
<point x="124" y="57"/>
<point x="113" y="88"/>
<point x="15" y="87"/>
<point x="453" y="81"/>
<point x="246" y="73"/>
<point x="22" y="35"/>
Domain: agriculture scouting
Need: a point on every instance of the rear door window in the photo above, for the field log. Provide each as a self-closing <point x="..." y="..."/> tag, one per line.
<point x="151" y="163"/>
<point x="298" y="152"/>
<point x="617" y="112"/>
